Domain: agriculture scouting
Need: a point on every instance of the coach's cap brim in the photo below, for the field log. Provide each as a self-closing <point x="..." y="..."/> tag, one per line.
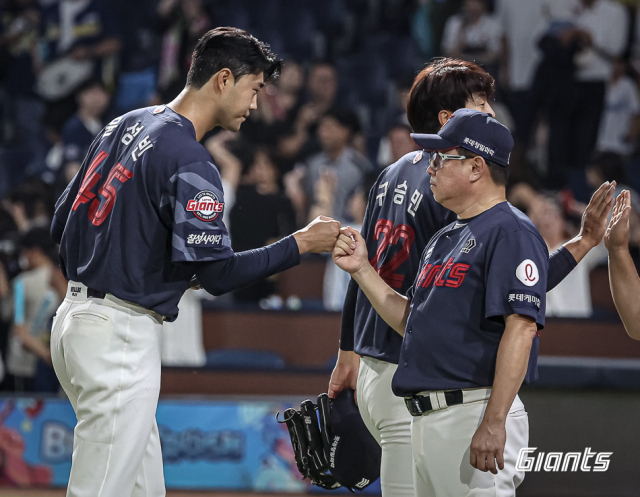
<point x="433" y="143"/>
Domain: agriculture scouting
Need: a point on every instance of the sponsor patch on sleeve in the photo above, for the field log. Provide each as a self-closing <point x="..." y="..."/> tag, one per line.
<point x="201" y="238"/>
<point x="524" y="299"/>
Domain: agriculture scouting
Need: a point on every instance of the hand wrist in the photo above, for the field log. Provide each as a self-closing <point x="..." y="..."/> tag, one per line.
<point x="299" y="237"/>
<point x="587" y="241"/>
<point x="618" y="250"/>
<point x="494" y="419"/>
<point x="362" y="272"/>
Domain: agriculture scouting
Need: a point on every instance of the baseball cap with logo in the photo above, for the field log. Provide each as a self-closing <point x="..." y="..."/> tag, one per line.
<point x="355" y="455"/>
<point x="473" y="130"/>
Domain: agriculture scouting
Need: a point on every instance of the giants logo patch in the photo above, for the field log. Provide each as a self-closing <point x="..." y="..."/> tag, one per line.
<point x="205" y="206"/>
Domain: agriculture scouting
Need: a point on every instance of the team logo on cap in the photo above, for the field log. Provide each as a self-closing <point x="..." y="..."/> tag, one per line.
<point x="205" y="206"/>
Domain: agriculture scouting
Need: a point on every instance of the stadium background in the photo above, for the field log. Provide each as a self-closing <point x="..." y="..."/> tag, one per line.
<point x="67" y="67"/>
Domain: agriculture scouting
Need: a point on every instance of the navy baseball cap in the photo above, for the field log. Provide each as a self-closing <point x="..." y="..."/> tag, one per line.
<point x="355" y="456"/>
<point x="473" y="130"/>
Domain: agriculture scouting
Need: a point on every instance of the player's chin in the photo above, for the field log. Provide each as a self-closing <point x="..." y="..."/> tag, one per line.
<point x="234" y="125"/>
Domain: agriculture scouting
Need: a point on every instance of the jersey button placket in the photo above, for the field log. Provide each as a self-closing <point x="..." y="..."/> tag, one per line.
<point x="406" y="364"/>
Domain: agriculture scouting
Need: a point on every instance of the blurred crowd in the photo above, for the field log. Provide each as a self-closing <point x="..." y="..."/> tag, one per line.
<point x="566" y="71"/>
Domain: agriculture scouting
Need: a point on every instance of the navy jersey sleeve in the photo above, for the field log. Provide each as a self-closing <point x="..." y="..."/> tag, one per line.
<point x="516" y="277"/>
<point x="199" y="233"/>
<point x="561" y="263"/>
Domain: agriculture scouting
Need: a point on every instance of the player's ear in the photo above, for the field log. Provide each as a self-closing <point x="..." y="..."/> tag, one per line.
<point x="223" y="79"/>
<point x="478" y="168"/>
<point x="443" y="117"/>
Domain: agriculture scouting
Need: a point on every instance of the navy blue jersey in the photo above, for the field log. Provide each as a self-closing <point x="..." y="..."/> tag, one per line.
<point x="401" y="218"/>
<point x="473" y="273"/>
<point x="147" y="202"/>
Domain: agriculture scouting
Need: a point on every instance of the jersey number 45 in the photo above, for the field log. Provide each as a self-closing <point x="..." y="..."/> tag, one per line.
<point x="100" y="210"/>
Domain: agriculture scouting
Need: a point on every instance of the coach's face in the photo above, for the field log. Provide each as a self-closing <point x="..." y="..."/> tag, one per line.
<point x="238" y="98"/>
<point x="448" y="178"/>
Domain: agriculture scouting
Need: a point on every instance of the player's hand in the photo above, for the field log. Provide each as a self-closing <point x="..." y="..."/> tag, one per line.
<point x="350" y="253"/>
<point x="320" y="235"/>
<point x="617" y="234"/>
<point x="345" y="373"/>
<point x="594" y="218"/>
<point x="487" y="447"/>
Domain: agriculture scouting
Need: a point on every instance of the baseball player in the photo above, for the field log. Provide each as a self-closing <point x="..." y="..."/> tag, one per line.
<point x="139" y="220"/>
<point x="470" y="318"/>
<point x="623" y="276"/>
<point x="401" y="218"/>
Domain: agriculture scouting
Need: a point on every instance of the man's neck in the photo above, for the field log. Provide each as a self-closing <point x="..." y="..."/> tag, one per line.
<point x="480" y="204"/>
<point x="190" y="107"/>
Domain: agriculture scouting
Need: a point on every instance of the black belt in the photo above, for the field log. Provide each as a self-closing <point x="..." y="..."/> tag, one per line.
<point x="419" y="405"/>
<point x="95" y="293"/>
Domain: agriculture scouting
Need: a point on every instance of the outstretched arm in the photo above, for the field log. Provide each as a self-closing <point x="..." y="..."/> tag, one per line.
<point x="350" y="255"/>
<point x="594" y="224"/>
<point x="243" y="268"/>
<point x="623" y="277"/>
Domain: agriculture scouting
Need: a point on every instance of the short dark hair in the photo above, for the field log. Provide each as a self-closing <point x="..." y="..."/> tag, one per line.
<point x="499" y="173"/>
<point x="445" y="84"/>
<point x="234" y="49"/>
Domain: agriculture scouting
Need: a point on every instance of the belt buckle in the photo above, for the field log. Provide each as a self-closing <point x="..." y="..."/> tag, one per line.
<point x="414" y="407"/>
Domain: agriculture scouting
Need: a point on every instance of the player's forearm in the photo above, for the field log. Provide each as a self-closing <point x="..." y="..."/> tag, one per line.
<point x="511" y="366"/>
<point x="578" y="247"/>
<point x="348" y="317"/>
<point x="244" y="268"/>
<point x="390" y="305"/>
<point x="561" y="263"/>
<point x="625" y="289"/>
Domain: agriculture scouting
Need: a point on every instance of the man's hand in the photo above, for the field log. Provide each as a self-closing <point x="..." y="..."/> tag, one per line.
<point x="594" y="222"/>
<point x="320" y="235"/>
<point x="345" y="373"/>
<point x="350" y="253"/>
<point x="617" y="235"/>
<point x="487" y="447"/>
<point x="594" y="218"/>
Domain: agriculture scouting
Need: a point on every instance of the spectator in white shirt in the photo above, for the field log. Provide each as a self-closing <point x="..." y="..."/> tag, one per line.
<point x="473" y="35"/>
<point x="619" y="126"/>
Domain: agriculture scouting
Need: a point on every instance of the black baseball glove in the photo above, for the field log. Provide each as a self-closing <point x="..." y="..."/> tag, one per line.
<point x="311" y="440"/>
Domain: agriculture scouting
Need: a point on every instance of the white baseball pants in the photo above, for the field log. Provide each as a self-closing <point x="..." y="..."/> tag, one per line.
<point x="106" y="353"/>
<point x="388" y="420"/>
<point x="441" y="450"/>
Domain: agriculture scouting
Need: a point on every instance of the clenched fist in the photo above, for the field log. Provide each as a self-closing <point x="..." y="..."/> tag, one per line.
<point x="320" y="235"/>
<point x="350" y="253"/>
